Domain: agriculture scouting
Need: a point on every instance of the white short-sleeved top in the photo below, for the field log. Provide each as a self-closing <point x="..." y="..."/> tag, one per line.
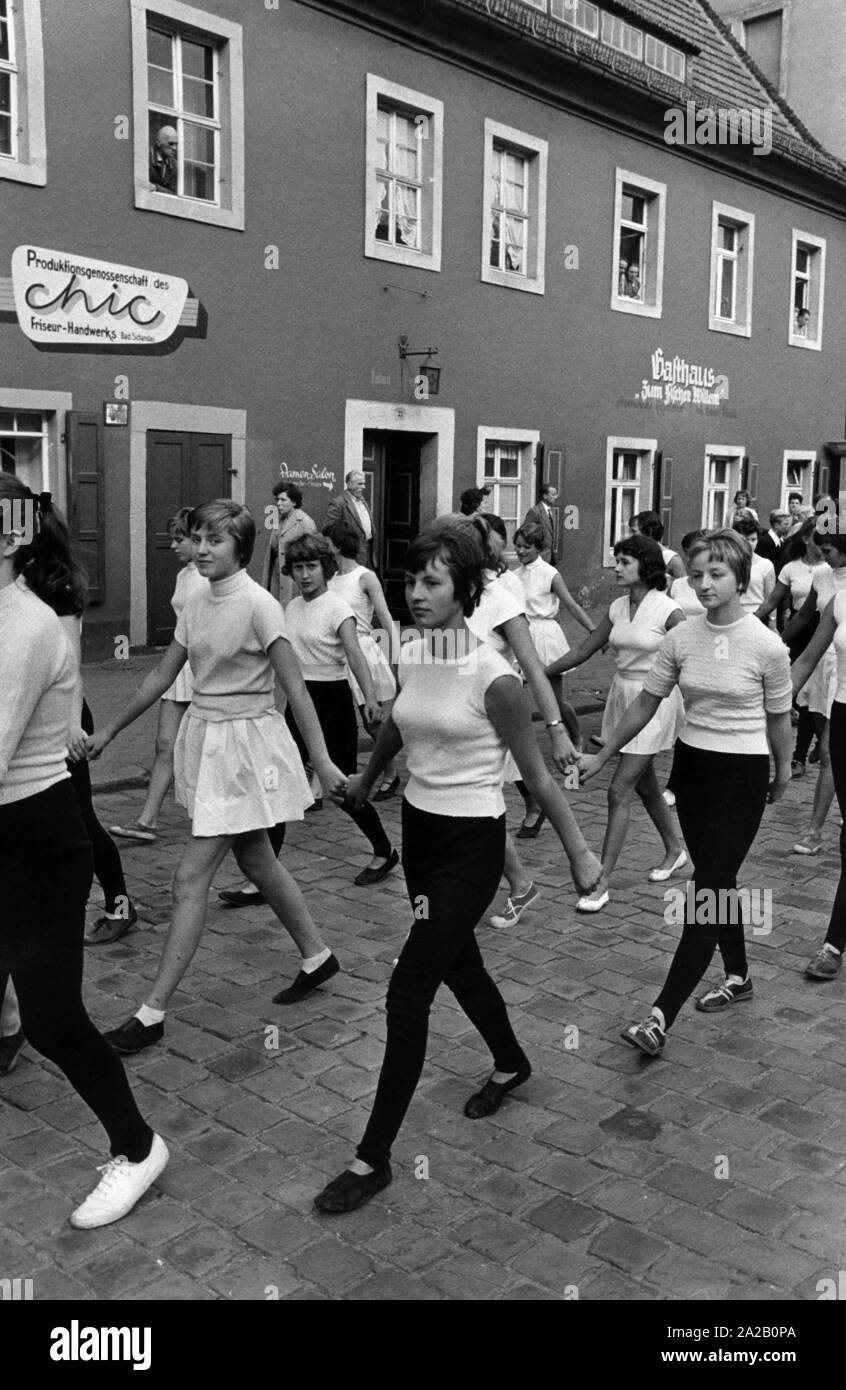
<point x="536" y="579"/>
<point x="634" y="641"/>
<point x="683" y="593"/>
<point x="454" y="755"/>
<point x="762" y="571"/>
<point x="227" y="627"/>
<point x="827" y="584"/>
<point x="730" y="679"/>
<point x="313" y="633"/>
<point x="497" y="605"/>
<point x="348" y="587"/>
<point x="798" y="577"/>
<point x="38" y="672"/>
<point x="188" y="581"/>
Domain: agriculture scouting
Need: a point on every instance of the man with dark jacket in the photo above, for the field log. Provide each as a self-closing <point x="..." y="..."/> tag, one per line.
<point x="770" y="542"/>
<point x="351" y="507"/>
<point x="543" y="516"/>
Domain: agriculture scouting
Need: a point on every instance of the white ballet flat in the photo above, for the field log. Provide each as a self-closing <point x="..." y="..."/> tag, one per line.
<point x="660" y="875"/>
<point x="592" y="904"/>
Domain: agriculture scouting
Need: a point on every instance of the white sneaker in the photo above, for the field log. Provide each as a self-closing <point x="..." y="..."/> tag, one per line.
<point x="120" y="1187"/>
<point x="669" y="797"/>
<point x="514" y="906"/>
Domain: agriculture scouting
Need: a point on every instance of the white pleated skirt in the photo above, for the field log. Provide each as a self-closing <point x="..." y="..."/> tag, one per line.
<point x="550" y="642"/>
<point x="380" y="672"/>
<point x="662" y="730"/>
<point x="817" y="694"/>
<point x="182" y="688"/>
<point x="233" y="775"/>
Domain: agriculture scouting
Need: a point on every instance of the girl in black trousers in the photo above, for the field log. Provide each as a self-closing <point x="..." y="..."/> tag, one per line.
<point x="45" y="854"/>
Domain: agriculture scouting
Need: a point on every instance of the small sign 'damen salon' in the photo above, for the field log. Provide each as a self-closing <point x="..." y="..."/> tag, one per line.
<point x="63" y="299"/>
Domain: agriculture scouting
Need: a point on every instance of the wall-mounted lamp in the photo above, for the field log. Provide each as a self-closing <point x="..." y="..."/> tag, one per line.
<point x="427" y="369"/>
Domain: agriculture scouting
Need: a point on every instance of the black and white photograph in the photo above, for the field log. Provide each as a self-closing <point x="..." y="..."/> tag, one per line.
<point x="423" y="663"/>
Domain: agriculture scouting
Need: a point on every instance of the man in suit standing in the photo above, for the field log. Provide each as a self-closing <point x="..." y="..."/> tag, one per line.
<point x="770" y="542"/>
<point x="351" y="507"/>
<point x="542" y="515"/>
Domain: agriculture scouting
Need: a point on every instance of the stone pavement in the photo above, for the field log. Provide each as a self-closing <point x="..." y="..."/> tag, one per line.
<point x="715" y="1171"/>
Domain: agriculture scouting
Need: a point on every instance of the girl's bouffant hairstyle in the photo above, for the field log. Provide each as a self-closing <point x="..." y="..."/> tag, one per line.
<point x="531" y="534"/>
<point x="471" y="500"/>
<point x="345" y="540"/>
<point x="312" y="547"/>
<point x="481" y="527"/>
<point x="727" y="547"/>
<point x="796" y="547"/>
<point x="650" y="560"/>
<point x="222" y="514"/>
<point x="48" y="562"/>
<point x="179" y="522"/>
<point x="459" y="546"/>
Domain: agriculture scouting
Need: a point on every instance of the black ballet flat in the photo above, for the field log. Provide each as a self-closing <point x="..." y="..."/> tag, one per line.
<point x="240" y="897"/>
<point x="369" y="876"/>
<point x="531" y="832"/>
<point x="487" y="1101"/>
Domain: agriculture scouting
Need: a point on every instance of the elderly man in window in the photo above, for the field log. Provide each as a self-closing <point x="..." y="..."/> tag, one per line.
<point x="163" y="160"/>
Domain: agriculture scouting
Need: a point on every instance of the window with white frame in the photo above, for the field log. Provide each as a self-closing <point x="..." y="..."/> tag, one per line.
<point x="720" y="483"/>
<point x="639" y="227"/>
<point x="732" y="262"/>
<point x="798" y="475"/>
<point x="23" y="151"/>
<point x="629" y="477"/>
<point x="514" y="230"/>
<point x="624" y="37"/>
<point x="664" y="58"/>
<point x="404" y="173"/>
<point x="808" y="290"/>
<point x="23" y="446"/>
<point x="189" y="113"/>
<point x="505" y="462"/>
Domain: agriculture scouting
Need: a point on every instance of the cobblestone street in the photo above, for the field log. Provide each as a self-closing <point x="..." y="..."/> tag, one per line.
<point x="717" y="1171"/>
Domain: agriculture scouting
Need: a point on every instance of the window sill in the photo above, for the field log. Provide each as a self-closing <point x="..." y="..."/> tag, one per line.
<point x="171" y="205"/>
<point x="529" y="284"/>
<point x="401" y="255"/>
<point x="810" y="344"/>
<point x="735" y="330"/>
<point x="634" y="306"/>
<point x="32" y="171"/>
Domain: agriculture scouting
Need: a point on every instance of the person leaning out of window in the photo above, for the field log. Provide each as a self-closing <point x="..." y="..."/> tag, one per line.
<point x="164" y="169"/>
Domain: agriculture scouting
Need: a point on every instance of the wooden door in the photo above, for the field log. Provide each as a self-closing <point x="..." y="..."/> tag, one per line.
<point x="183" y="470"/>
<point x="400" y="515"/>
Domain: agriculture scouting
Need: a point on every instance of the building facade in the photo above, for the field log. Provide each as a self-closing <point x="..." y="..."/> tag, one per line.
<point x="236" y="241"/>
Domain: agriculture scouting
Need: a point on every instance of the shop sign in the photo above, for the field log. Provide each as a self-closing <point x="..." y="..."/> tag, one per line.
<point x="64" y="301"/>
<point x="676" y="382"/>
<point x="305" y="477"/>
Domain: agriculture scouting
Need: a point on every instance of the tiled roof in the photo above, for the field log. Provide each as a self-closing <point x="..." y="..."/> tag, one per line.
<point x="720" y="76"/>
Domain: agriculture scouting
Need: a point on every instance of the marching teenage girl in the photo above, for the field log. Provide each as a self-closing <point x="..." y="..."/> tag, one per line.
<point x="544" y="591"/>
<point x="46" y="863"/>
<point x="176" y="699"/>
<point x="322" y="632"/>
<point x="236" y="768"/>
<point x="828" y="961"/>
<point x="682" y="591"/>
<point x="734" y="677"/>
<point x="360" y="588"/>
<point x="649" y="524"/>
<point x="500" y="620"/>
<point x="634" y="627"/>
<point x="818" y="693"/>
<point x="459" y="710"/>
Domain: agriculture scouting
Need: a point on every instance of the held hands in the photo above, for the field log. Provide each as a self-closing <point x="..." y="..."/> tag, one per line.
<point x="77" y="745"/>
<point x="357" y="793"/>
<point x="96" y="743"/>
<point x="563" y="750"/>
<point x="589" y="765"/>
<point x="332" y="780"/>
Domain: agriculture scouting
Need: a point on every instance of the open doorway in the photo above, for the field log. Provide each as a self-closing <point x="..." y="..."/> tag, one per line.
<point x="391" y="466"/>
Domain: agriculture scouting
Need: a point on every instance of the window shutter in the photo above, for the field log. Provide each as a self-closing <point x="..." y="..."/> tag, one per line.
<point x="553" y="471"/>
<point x="750" y="474"/>
<point x="87" y="497"/>
<point x="665" y="495"/>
